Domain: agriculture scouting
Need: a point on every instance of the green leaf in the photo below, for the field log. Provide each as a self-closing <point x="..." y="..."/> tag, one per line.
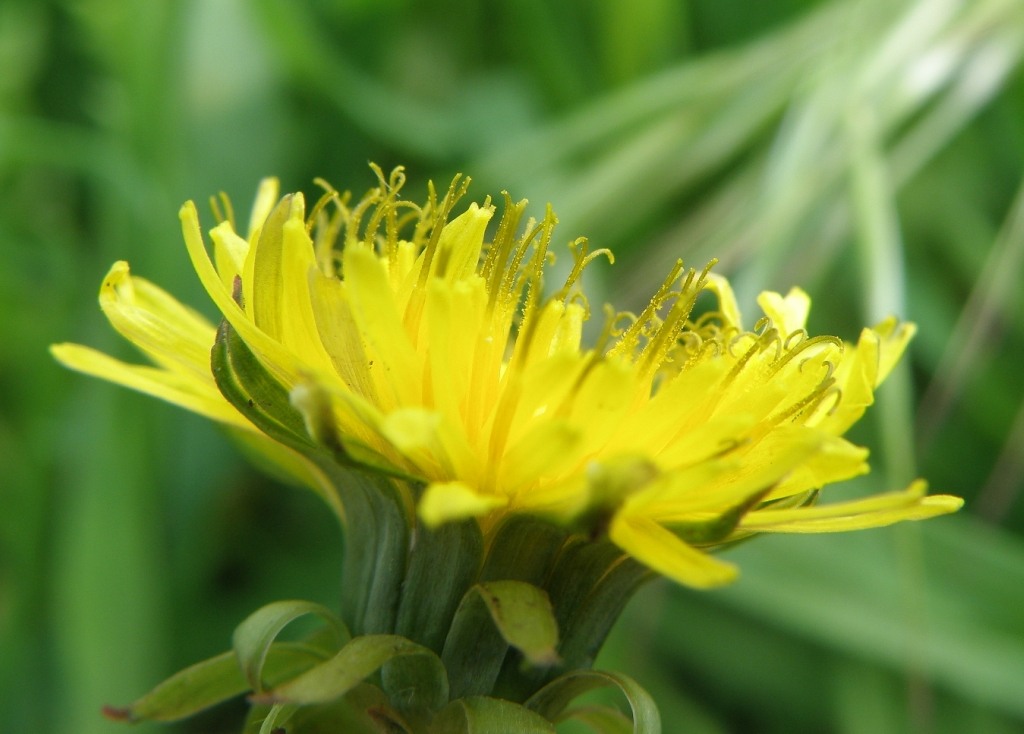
<point x="213" y="681"/>
<point x="484" y="715"/>
<point x="359" y="659"/>
<point x="254" y="636"/>
<point x="552" y="700"/>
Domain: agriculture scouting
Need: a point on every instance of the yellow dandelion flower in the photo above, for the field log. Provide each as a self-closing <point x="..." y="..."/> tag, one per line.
<point x="426" y="351"/>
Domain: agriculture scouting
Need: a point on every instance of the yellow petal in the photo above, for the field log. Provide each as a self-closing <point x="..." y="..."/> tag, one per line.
<point x="175" y="388"/>
<point x="280" y="361"/>
<point x="560" y="501"/>
<point x="717" y="486"/>
<point x="679" y="409"/>
<point x="788" y="314"/>
<point x="229" y="253"/>
<point x="544" y="452"/>
<point x="721" y="434"/>
<point x="869" y="512"/>
<point x="455" y="328"/>
<point x="397" y="367"/>
<point x="534" y="392"/>
<point x="298" y="260"/>
<point x="835" y="460"/>
<point x="663" y="552"/>
<point x="411" y="429"/>
<point x="569" y="333"/>
<point x="727" y="305"/>
<point x="894" y="337"/>
<point x="266" y="196"/>
<point x="598" y="406"/>
<point x="458" y="249"/>
<point x="171" y="334"/>
<point x="276" y="284"/>
<point x="856" y="378"/>
<point x="340" y="335"/>
<point x="449" y="501"/>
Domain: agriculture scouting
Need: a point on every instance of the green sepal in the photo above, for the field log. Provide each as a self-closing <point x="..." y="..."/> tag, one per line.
<point x="552" y="700"/>
<point x="590" y="585"/>
<point x="492" y="617"/>
<point x="214" y="681"/>
<point x="375" y="510"/>
<point x="245" y="383"/>
<point x="248" y="386"/>
<point x="442" y="564"/>
<point x="416" y="690"/>
<point x="523" y="549"/>
<point x="376" y="551"/>
<point x="484" y="715"/>
<point x="254" y="636"/>
<point x="354" y="663"/>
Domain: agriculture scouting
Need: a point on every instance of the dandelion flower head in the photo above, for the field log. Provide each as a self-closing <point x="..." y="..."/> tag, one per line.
<point x="430" y="347"/>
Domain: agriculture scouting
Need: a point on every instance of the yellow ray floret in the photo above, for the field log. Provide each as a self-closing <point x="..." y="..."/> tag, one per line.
<point x="408" y="332"/>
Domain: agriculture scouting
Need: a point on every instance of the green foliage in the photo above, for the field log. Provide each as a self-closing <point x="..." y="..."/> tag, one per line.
<point x="868" y="150"/>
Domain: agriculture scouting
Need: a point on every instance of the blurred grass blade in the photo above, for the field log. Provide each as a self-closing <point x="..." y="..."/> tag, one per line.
<point x="989" y="304"/>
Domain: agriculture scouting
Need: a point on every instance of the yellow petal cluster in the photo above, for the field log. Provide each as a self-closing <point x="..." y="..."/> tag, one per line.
<point x="440" y="353"/>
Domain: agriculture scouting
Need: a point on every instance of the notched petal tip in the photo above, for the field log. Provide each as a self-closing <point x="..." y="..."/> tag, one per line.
<point x="788" y="313"/>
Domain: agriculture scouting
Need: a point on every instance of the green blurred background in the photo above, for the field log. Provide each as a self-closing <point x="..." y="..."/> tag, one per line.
<point x="869" y="150"/>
